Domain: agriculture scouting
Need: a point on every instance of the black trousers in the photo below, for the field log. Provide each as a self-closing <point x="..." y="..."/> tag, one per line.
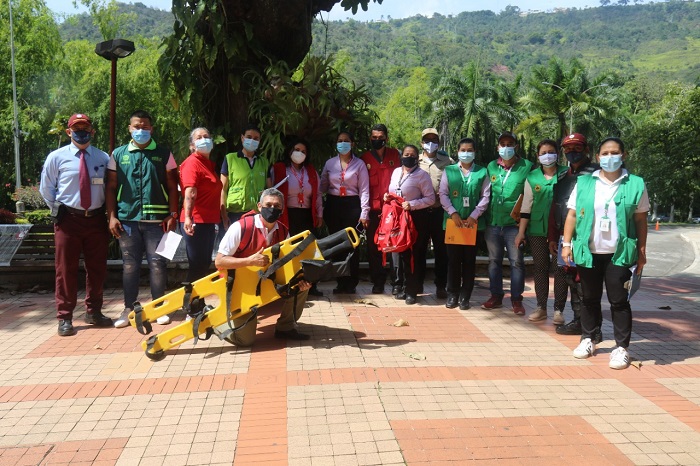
<point x="413" y="260"/>
<point x="436" y="234"/>
<point x="377" y="271"/>
<point x="614" y="277"/>
<point x="565" y="280"/>
<point x="340" y="212"/>
<point x="461" y="269"/>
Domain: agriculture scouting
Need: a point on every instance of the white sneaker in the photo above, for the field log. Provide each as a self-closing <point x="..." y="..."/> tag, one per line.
<point x="123" y="319"/>
<point x="585" y="349"/>
<point x="619" y="358"/>
<point x="558" y="318"/>
<point x="163" y="320"/>
<point x="537" y="315"/>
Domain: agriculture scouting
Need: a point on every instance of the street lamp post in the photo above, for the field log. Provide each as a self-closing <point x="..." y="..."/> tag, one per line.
<point x="571" y="103"/>
<point x="113" y="50"/>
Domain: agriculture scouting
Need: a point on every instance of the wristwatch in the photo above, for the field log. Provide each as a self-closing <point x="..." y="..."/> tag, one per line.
<point x="565" y="245"/>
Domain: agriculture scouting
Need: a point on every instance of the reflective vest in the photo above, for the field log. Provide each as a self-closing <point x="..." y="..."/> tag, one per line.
<point x="626" y="201"/>
<point x="245" y="184"/>
<point x="460" y="187"/>
<point x="142" y="192"/>
<point x="542" y="194"/>
<point x="505" y="190"/>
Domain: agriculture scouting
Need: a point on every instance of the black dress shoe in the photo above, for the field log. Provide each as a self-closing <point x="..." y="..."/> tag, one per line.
<point x="65" y="327"/>
<point x="378" y="289"/>
<point x="401" y="295"/>
<point x="410" y="299"/>
<point x="440" y="293"/>
<point x="98" y="320"/>
<point x="396" y="289"/>
<point x="451" y="302"/>
<point x="597" y="336"/>
<point x="292" y="334"/>
<point x="464" y="304"/>
<point x="571" y="328"/>
<point x="313" y="291"/>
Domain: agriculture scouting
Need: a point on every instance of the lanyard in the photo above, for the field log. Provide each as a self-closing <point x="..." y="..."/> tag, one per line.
<point x="504" y="180"/>
<point x="607" y="203"/>
<point x="342" y="172"/>
<point x="299" y="177"/>
<point x="401" y="180"/>
<point x="469" y="178"/>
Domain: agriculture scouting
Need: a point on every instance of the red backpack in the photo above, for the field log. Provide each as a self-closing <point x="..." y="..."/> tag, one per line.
<point x="396" y="232"/>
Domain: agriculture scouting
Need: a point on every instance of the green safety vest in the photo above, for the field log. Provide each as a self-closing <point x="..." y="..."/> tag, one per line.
<point x="142" y="182"/>
<point x="245" y="184"/>
<point x="505" y="190"/>
<point x="542" y="194"/>
<point x="460" y="187"/>
<point x="626" y="201"/>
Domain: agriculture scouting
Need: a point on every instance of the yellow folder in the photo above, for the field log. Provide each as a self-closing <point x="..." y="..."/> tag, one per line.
<point x="455" y="235"/>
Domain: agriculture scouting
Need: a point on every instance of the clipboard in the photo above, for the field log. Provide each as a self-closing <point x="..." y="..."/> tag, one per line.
<point x="515" y="213"/>
<point x="455" y="235"/>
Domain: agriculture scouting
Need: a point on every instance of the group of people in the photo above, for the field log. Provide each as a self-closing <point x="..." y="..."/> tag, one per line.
<point x="592" y="217"/>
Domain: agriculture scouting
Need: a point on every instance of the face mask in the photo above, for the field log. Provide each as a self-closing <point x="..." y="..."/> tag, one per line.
<point x="378" y="143"/>
<point x="141" y="136"/>
<point x="466" y="157"/>
<point x="251" y="145"/>
<point x="81" y="136"/>
<point x="343" y="147"/>
<point x="409" y="162"/>
<point x="204" y="145"/>
<point x="547" y="160"/>
<point x="574" y="157"/>
<point x="506" y="153"/>
<point x="430" y="147"/>
<point x="270" y="214"/>
<point x="298" y="157"/>
<point x="611" y="163"/>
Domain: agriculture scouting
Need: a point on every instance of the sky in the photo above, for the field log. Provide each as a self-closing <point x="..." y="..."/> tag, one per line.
<point x="394" y="8"/>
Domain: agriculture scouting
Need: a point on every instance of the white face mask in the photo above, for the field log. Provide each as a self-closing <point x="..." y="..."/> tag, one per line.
<point x="466" y="157"/>
<point x="298" y="157"/>
<point x="430" y="147"/>
<point x="547" y="160"/>
<point x="204" y="145"/>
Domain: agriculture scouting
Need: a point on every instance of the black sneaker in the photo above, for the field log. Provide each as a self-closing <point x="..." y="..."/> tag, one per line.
<point x="65" y="327"/>
<point x="572" y="328"/>
<point x="98" y="320"/>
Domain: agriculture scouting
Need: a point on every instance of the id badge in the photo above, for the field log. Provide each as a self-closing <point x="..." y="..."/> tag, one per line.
<point x="300" y="198"/>
<point x="604" y="224"/>
<point x="343" y="191"/>
<point x="465" y="202"/>
<point x="97" y="181"/>
<point x="500" y="200"/>
<point x="398" y="192"/>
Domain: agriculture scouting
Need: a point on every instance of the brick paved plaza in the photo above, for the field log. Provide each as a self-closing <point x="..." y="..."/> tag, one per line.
<point x="453" y="387"/>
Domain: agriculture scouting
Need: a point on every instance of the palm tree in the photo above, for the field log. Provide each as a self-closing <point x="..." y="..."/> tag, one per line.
<point x="473" y="105"/>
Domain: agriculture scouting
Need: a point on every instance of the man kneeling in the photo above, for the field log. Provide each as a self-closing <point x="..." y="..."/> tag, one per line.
<point x="242" y="246"/>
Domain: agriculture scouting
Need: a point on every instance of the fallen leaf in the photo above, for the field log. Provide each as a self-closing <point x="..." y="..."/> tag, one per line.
<point x="365" y="301"/>
<point x="417" y="356"/>
<point x="637" y="364"/>
<point x="97" y="347"/>
<point x="400" y="323"/>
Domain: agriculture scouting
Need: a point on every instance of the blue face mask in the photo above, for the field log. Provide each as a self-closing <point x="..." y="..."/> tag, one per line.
<point x="611" y="163"/>
<point x="466" y="157"/>
<point x="204" y="145"/>
<point x="251" y="145"/>
<point x="141" y="136"/>
<point x="81" y="136"/>
<point x="343" y="147"/>
<point x="506" y="153"/>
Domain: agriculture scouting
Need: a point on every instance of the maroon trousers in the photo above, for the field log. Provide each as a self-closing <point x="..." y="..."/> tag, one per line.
<point x="74" y="235"/>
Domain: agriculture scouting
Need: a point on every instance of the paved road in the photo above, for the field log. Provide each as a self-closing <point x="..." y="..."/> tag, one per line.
<point x="668" y="253"/>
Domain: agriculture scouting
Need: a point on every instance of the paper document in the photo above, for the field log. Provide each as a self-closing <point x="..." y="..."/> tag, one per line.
<point x="515" y="213"/>
<point x="168" y="245"/>
<point x="455" y="235"/>
<point x="632" y="285"/>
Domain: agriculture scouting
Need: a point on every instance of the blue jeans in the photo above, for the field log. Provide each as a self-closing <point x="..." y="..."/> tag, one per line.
<point x="498" y="238"/>
<point x="137" y="238"/>
<point x="199" y="247"/>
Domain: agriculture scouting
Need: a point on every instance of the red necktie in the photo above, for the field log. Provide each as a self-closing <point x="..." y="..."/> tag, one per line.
<point x="85" y="194"/>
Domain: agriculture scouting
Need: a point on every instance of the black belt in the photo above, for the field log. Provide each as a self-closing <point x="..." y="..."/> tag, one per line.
<point x="84" y="213"/>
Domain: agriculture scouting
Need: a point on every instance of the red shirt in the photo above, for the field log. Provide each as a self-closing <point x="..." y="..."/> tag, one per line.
<point x="200" y="172"/>
<point x="380" y="175"/>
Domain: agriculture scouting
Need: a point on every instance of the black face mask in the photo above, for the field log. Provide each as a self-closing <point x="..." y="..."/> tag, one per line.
<point x="575" y="157"/>
<point x="378" y="143"/>
<point x="270" y="214"/>
<point x="409" y="162"/>
<point x="81" y="136"/>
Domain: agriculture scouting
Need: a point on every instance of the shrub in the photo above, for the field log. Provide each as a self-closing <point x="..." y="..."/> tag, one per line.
<point x="7" y="217"/>
<point x="30" y="196"/>
<point x="39" y="217"/>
